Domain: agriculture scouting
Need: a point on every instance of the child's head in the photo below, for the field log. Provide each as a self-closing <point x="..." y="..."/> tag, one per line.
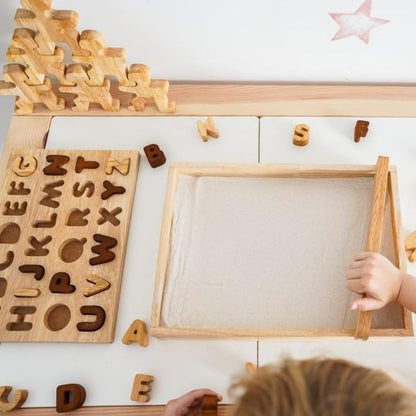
<point x="323" y="387"/>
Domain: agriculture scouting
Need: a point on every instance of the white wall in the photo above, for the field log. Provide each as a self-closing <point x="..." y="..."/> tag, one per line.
<point x="277" y="40"/>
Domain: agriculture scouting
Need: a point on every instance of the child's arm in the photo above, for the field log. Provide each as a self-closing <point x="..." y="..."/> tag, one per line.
<point x="188" y="404"/>
<point x="381" y="281"/>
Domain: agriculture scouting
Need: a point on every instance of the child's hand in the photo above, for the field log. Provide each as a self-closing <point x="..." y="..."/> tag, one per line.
<point x="374" y="275"/>
<point x="189" y="404"/>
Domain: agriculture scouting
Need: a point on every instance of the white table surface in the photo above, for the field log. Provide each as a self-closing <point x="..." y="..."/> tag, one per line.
<point x="107" y="371"/>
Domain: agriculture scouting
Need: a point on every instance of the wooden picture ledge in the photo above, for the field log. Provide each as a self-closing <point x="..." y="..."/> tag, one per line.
<point x="269" y="99"/>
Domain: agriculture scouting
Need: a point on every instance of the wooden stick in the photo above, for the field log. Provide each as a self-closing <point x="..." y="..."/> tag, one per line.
<point x="375" y="230"/>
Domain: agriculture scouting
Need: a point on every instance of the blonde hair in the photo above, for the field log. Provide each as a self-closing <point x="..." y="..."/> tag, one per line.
<point x="322" y="387"/>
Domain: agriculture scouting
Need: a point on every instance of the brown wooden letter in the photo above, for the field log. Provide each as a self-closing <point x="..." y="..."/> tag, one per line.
<point x="111" y="190"/>
<point x="209" y="405"/>
<point x="154" y="155"/>
<point x="99" y="314"/>
<point x="56" y="162"/>
<point x="103" y="249"/>
<point x="69" y="397"/>
<point x="36" y="269"/>
<point x="85" y="164"/>
<point x="361" y="130"/>
<point x="61" y="283"/>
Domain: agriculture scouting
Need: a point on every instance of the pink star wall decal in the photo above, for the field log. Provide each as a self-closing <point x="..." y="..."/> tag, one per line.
<point x="359" y="23"/>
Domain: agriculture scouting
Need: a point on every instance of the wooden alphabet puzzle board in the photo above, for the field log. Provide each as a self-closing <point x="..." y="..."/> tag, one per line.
<point x="65" y="219"/>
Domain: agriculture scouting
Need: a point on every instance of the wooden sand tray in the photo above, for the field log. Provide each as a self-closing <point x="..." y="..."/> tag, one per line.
<point x="65" y="222"/>
<point x="183" y="296"/>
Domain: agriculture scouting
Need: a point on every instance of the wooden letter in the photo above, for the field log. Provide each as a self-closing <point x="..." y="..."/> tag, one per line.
<point x="37" y="269"/>
<point x="251" y="368"/>
<point x="24" y="166"/>
<point x="85" y="164"/>
<point x="207" y="129"/>
<point x="361" y="130"/>
<point x="146" y="90"/>
<point x="209" y="405"/>
<point x="16" y="82"/>
<point x="100" y="285"/>
<point x="301" y="135"/>
<point x="19" y="398"/>
<point x="103" y="249"/>
<point x="69" y="397"/>
<point x="154" y="155"/>
<point x="137" y="332"/>
<point x="111" y="190"/>
<point x="26" y="293"/>
<point x="86" y="94"/>
<point x="410" y="245"/>
<point x="99" y="314"/>
<point x="122" y="167"/>
<point x="56" y="162"/>
<point x="141" y="388"/>
<point x="61" y="283"/>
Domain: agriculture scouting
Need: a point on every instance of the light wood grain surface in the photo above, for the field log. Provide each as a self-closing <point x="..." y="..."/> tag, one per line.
<point x="262" y="99"/>
<point x="375" y="229"/>
<point x="70" y="247"/>
<point x="108" y="411"/>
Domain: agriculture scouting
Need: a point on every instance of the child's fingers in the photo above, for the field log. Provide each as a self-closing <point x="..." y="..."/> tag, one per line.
<point x="354" y="274"/>
<point x="355" y="285"/>
<point x="366" y="304"/>
<point x="356" y="264"/>
<point x="363" y="255"/>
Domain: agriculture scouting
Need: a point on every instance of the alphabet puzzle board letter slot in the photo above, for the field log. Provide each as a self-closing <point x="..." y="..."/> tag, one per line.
<point x="62" y="245"/>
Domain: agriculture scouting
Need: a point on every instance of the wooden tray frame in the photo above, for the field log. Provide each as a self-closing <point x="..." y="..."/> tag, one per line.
<point x="231" y="99"/>
<point x="266" y="170"/>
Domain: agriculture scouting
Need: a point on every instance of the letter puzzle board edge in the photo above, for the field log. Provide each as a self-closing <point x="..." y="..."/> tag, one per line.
<point x="62" y="230"/>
